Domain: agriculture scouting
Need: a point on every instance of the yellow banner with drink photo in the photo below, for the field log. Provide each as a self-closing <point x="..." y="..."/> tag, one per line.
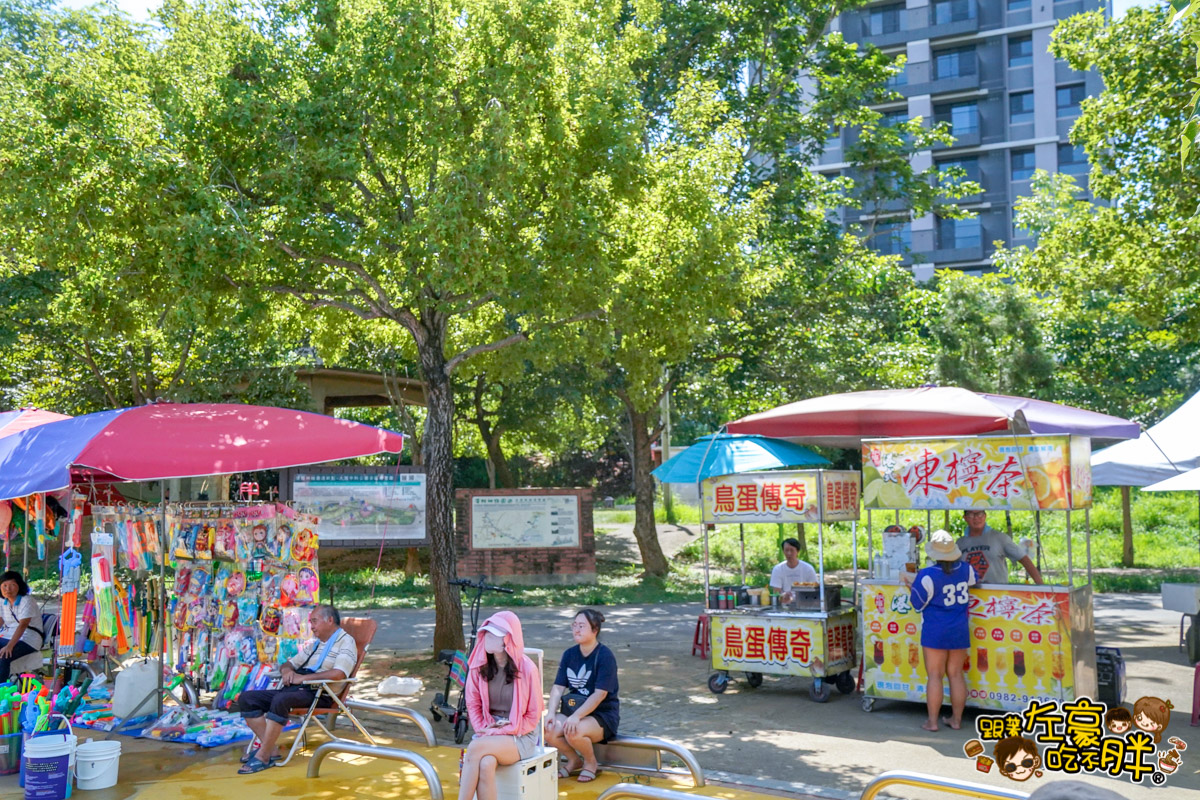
<point x="999" y="472"/>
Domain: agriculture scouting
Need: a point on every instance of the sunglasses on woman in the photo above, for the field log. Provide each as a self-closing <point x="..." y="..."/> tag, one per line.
<point x="1013" y="767"/>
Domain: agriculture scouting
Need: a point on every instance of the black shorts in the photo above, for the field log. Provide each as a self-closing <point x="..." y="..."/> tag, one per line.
<point x="274" y="704"/>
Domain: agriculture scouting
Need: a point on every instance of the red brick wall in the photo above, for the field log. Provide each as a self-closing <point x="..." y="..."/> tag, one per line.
<point x="528" y="565"/>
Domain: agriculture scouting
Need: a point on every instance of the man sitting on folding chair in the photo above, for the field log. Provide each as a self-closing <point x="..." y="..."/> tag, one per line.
<point x="330" y="657"/>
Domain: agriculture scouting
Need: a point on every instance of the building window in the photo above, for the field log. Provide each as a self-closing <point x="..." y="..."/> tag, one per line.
<point x="955" y="62"/>
<point x="1019" y="5"/>
<point x="1020" y="51"/>
<point x="947" y="11"/>
<point x="1023" y="165"/>
<point x="968" y="164"/>
<point x="954" y="234"/>
<point x="898" y="79"/>
<point x="1068" y="98"/>
<point x="887" y="19"/>
<point x="834" y="140"/>
<point x="963" y="117"/>
<point x="893" y="237"/>
<point x="1072" y="159"/>
<point x="890" y="119"/>
<point x="1020" y="108"/>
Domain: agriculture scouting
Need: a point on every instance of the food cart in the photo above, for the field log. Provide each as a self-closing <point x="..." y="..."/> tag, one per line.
<point x="816" y="635"/>
<point x="1027" y="641"/>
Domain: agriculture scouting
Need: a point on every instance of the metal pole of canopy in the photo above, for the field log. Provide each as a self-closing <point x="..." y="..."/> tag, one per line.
<point x="742" y="537"/>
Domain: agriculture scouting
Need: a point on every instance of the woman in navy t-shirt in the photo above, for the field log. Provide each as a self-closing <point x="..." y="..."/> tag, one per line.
<point x="589" y="669"/>
<point x="940" y="594"/>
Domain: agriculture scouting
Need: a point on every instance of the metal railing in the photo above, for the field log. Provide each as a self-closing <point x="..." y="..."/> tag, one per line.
<point x="608" y="754"/>
<point x="644" y="792"/>
<point x="360" y="749"/>
<point x="947" y="785"/>
<point x="399" y="712"/>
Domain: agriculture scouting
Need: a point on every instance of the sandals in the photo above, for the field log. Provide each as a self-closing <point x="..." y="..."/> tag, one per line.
<point x="586" y="776"/>
<point x="254" y="765"/>
<point x="254" y="753"/>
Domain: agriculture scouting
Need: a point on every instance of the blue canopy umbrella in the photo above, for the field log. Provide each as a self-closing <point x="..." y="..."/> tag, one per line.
<point x="729" y="453"/>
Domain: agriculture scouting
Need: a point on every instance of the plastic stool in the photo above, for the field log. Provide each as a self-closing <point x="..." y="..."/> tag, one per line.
<point x="1196" y="696"/>
<point x="701" y="637"/>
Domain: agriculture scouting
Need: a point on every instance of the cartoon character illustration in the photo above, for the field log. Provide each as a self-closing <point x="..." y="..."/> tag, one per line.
<point x="295" y="623"/>
<point x="247" y="609"/>
<point x="310" y="587"/>
<point x="304" y="545"/>
<point x="1118" y="719"/>
<point x="287" y="590"/>
<point x="236" y="584"/>
<point x="1169" y="762"/>
<point x="225" y="547"/>
<point x="183" y="579"/>
<point x="229" y="619"/>
<point x="198" y="584"/>
<point x="1152" y="715"/>
<point x="282" y="543"/>
<point x="1017" y="758"/>
<point x="291" y="625"/>
<point x="247" y="651"/>
<point x="220" y="583"/>
<point x="197" y="614"/>
<point x="259" y="547"/>
<point x="180" y="617"/>
<point x="272" y="617"/>
<point x="204" y="541"/>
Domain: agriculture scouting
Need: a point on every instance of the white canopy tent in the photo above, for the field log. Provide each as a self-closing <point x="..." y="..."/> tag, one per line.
<point x="1167" y="449"/>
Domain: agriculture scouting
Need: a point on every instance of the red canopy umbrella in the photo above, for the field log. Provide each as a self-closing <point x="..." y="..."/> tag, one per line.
<point x="844" y="420"/>
<point x="171" y="440"/>
<point x="25" y="418"/>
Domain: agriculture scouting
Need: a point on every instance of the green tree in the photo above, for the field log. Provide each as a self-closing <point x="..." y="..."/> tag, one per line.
<point x="1141" y="243"/>
<point x="986" y="334"/>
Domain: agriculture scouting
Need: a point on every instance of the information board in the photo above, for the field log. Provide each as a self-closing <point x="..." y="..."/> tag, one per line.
<point x="357" y="508"/>
<point x="535" y="521"/>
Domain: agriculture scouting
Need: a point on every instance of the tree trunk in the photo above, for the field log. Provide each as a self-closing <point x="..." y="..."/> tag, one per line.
<point x="491" y="439"/>
<point x="644" y="530"/>
<point x="437" y="448"/>
<point x="1126" y="529"/>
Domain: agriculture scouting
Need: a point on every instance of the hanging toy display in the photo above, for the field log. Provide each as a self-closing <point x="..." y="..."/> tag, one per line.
<point x="69" y="564"/>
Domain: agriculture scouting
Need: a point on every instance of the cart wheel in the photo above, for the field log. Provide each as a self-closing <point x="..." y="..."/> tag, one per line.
<point x="754" y="679"/>
<point x="460" y="730"/>
<point x="868" y="704"/>
<point x="819" y="691"/>
<point x="845" y="683"/>
<point x="718" y="682"/>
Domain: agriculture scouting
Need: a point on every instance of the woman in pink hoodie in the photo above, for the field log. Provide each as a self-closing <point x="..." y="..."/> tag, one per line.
<point x="504" y="704"/>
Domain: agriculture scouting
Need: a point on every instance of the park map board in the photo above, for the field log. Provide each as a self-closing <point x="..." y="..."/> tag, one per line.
<point x="360" y="508"/>
<point x="500" y="522"/>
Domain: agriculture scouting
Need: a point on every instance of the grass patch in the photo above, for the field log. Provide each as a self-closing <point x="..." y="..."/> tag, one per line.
<point x="615" y="584"/>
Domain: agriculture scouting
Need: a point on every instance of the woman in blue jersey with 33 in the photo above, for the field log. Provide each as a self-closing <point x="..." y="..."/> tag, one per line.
<point x="939" y="592"/>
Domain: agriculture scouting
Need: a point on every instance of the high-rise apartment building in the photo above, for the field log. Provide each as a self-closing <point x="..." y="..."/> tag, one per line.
<point x="984" y="67"/>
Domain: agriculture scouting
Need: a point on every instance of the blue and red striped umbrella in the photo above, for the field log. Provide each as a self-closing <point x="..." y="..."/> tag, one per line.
<point x="25" y="418"/>
<point x="169" y="440"/>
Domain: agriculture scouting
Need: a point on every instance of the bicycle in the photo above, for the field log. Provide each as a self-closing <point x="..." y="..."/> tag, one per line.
<point x="456" y="664"/>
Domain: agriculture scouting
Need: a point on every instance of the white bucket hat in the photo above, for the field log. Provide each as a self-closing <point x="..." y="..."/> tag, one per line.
<point x="941" y="547"/>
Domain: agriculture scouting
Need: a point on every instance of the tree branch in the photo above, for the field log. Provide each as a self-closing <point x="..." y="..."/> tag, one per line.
<point x="478" y="349"/>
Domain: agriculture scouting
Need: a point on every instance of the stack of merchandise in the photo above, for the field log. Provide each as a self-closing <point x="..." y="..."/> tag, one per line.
<point x="246" y="578"/>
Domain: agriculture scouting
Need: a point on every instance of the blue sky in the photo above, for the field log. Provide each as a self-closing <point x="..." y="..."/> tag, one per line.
<point x="140" y="9"/>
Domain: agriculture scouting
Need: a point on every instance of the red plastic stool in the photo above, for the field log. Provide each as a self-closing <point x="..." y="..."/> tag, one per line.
<point x="701" y="637"/>
<point x="1196" y="696"/>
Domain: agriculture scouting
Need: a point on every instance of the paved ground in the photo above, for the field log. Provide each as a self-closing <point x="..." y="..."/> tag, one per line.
<point x="778" y="736"/>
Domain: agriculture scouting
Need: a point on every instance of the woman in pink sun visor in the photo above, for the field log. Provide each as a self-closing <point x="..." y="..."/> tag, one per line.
<point x="504" y="704"/>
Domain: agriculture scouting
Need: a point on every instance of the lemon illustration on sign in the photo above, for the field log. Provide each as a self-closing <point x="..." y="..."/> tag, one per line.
<point x="1047" y="483"/>
<point x="892" y="495"/>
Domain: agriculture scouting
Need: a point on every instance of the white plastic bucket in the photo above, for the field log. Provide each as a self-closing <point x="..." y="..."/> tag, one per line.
<point x="47" y="762"/>
<point x="96" y="764"/>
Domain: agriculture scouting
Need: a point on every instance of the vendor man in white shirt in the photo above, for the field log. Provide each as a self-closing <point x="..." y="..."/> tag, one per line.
<point x="331" y="656"/>
<point x="791" y="571"/>
<point x="988" y="551"/>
